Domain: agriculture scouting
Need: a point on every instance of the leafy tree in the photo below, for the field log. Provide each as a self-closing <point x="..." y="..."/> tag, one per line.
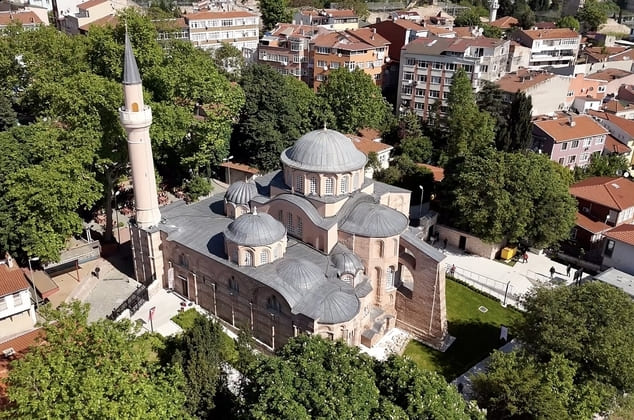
<point x="96" y="370"/>
<point x="273" y="12"/>
<point x="593" y="14"/>
<point x="591" y="325"/>
<point x="602" y="165"/>
<point x="197" y="187"/>
<point x="360" y="7"/>
<point x="568" y="22"/>
<point x="516" y="385"/>
<point x="278" y="110"/>
<point x="404" y="172"/>
<point x="467" y="128"/>
<point x="537" y="5"/>
<point x="524" y="14"/>
<point x="230" y="60"/>
<point x="355" y="101"/>
<point x="8" y="116"/>
<point x="413" y="143"/>
<point x="490" y="98"/>
<point x="469" y="17"/>
<point x="490" y="31"/>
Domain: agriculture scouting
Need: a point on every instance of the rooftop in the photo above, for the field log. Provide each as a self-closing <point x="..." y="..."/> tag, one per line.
<point x="368" y="141"/>
<point x="617" y="278"/>
<point x="12" y="280"/>
<point x="623" y="123"/>
<point x="438" y="46"/>
<point x="438" y="172"/>
<point x="609" y="74"/>
<point x="337" y="13"/>
<point x="612" y="192"/>
<point x="240" y="167"/>
<point x="505" y="22"/>
<point x="615" y="106"/>
<point x="608" y="53"/>
<point x="23" y="17"/>
<point x="90" y="4"/>
<point x="591" y="225"/>
<point x="623" y="233"/>
<point x="217" y="15"/>
<point x="612" y="145"/>
<point x="558" y="33"/>
<point x="523" y="80"/>
<point x="561" y="129"/>
<point x="353" y="40"/>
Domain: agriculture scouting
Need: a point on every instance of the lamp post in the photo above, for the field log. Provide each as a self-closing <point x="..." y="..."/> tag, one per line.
<point x="33" y="282"/>
<point x="228" y="159"/>
<point x="422" y="193"/>
<point x="116" y="213"/>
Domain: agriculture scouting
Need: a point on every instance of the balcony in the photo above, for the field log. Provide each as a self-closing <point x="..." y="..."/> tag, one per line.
<point x="136" y="119"/>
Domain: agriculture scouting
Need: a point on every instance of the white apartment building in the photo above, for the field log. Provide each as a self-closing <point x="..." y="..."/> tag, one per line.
<point x="427" y="66"/>
<point x="333" y="19"/>
<point x="209" y="30"/>
<point x="16" y="310"/>
<point x="549" y="47"/>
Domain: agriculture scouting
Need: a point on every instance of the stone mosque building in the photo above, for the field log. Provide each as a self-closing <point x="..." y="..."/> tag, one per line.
<point x="313" y="248"/>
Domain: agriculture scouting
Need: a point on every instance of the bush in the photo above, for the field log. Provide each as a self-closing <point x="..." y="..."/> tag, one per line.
<point x="197" y="187"/>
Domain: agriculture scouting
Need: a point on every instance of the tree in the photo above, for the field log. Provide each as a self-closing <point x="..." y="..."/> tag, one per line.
<point x="467" y="128"/>
<point x="274" y="12"/>
<point x="519" y="124"/>
<point x="197" y="187"/>
<point x="355" y="101"/>
<point x="516" y="385"/>
<point x="8" y="116"/>
<point x="490" y="98"/>
<point x="591" y="325"/>
<point x="593" y="14"/>
<point x="230" y="60"/>
<point x="568" y="22"/>
<point x="602" y="165"/>
<point x="491" y="31"/>
<point x="412" y="141"/>
<point x="278" y="110"/>
<point x="360" y="7"/>
<point x="524" y="14"/>
<point x="96" y="370"/>
<point x="468" y="17"/>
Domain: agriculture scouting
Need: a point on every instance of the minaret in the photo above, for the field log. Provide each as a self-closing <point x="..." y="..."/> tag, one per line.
<point x="493" y="10"/>
<point x="136" y="118"/>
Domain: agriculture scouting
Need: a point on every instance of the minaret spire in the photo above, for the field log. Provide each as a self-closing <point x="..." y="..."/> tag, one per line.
<point x="131" y="74"/>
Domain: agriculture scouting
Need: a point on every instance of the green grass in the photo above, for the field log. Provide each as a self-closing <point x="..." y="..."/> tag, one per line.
<point x="476" y="333"/>
<point x="186" y="319"/>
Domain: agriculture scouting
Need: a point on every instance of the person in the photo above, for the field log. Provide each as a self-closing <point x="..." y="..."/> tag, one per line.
<point x="452" y="271"/>
<point x="568" y="268"/>
<point x="444" y="243"/>
<point x="552" y="272"/>
<point x="525" y="257"/>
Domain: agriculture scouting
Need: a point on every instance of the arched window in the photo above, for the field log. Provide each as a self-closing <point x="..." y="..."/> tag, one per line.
<point x="289" y="223"/>
<point x="135" y="107"/>
<point x="330" y="186"/>
<point x="234" y="287"/>
<point x="389" y="277"/>
<point x="248" y="258"/>
<point x="264" y="256"/>
<point x="313" y="185"/>
<point x="343" y="186"/>
<point x="347" y="278"/>
<point x="299" y="183"/>
<point x="380" y="248"/>
<point x="395" y="244"/>
<point x="182" y="260"/>
<point x="273" y="305"/>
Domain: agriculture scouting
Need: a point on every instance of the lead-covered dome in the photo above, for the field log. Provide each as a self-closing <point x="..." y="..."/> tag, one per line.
<point x="324" y="151"/>
<point x="346" y="262"/>
<point x="255" y="229"/>
<point x="241" y="192"/>
<point x="302" y="275"/>
<point x="374" y="221"/>
<point x="339" y="306"/>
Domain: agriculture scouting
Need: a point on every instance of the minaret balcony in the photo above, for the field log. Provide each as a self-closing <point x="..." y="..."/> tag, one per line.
<point x="135" y="119"/>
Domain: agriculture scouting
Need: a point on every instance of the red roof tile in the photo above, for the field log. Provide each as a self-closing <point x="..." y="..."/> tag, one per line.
<point x="551" y="33"/>
<point x="560" y="129"/>
<point x="90" y="3"/>
<point x="592" y="226"/>
<point x="612" y="145"/>
<point x="12" y="280"/>
<point x="218" y="15"/>
<point x="240" y="167"/>
<point x="438" y="172"/>
<point x="623" y="233"/>
<point x="24" y="18"/>
<point x="505" y="22"/>
<point x="611" y="192"/>
<point x="623" y="123"/>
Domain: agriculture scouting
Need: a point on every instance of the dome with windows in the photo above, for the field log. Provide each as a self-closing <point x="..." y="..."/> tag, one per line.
<point x="255" y="229"/>
<point x="324" y="151"/>
<point x="302" y="275"/>
<point x="346" y="261"/>
<point x="241" y="192"/>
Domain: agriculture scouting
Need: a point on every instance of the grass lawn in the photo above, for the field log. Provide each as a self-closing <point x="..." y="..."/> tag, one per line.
<point x="185" y="319"/>
<point x="476" y="332"/>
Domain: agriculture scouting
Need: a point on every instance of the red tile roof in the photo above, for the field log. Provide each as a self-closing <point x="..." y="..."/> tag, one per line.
<point x="505" y="22"/>
<point x="623" y="123"/>
<point x="523" y="80"/>
<point x="623" y="233"/>
<point x="12" y="280"/>
<point x="551" y="33"/>
<point x="366" y="141"/>
<point x="615" y="106"/>
<point x="592" y="226"/>
<point x="110" y="20"/>
<point x="560" y="129"/>
<point x="608" y="74"/>
<point x="607" y="53"/>
<point x="438" y="172"/>
<point x="240" y="167"/>
<point x="90" y="3"/>
<point x="612" y="145"/>
<point x="24" y="18"/>
<point x="614" y="193"/>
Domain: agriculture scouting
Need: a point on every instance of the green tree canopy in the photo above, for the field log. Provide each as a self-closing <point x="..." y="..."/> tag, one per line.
<point x="468" y="17"/>
<point x="355" y="101"/>
<point x="568" y="22"/>
<point x="412" y="141"/>
<point x="97" y="370"/>
<point x="274" y="11"/>
<point x="610" y="164"/>
<point x="594" y="13"/>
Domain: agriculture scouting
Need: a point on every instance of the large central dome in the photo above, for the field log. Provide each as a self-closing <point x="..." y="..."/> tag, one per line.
<point x="324" y="151"/>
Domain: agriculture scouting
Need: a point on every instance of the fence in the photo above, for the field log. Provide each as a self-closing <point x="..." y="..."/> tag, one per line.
<point x="502" y="290"/>
<point x="133" y="303"/>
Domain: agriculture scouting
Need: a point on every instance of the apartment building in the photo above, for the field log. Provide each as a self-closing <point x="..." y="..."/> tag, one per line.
<point x="87" y="13"/>
<point x="16" y="310"/>
<point x="287" y="49"/>
<point x="620" y="128"/>
<point x="548" y="91"/>
<point x="549" y="47"/>
<point x="333" y="19"/>
<point x="427" y="66"/>
<point x="28" y="19"/>
<point x="362" y="48"/>
<point x="209" y="30"/>
<point x="569" y="140"/>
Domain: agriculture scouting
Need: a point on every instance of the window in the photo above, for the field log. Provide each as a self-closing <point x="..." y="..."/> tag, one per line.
<point x="599" y="140"/>
<point x="437" y="66"/>
<point x="17" y="299"/>
<point x="299" y="226"/>
<point x="419" y="105"/>
<point x="322" y="63"/>
<point x="355" y="181"/>
<point x="289" y="223"/>
<point x="323" y="50"/>
<point x="389" y="277"/>
<point x="484" y="68"/>
<point x="561" y="161"/>
<point x="334" y="65"/>
<point x="420" y="92"/>
<point x="564" y="146"/>
<point x="572" y="159"/>
<point x="435" y="80"/>
<point x="227" y="22"/>
<point x="408" y="75"/>
<point x="299" y="183"/>
<point x="410" y="62"/>
<point x="573" y="233"/>
<point x="468" y="68"/>
<point x="182" y="261"/>
<point x="422" y="78"/>
<point x="343" y="185"/>
<point x="273" y="305"/>
<point x="347" y="278"/>
<point x="330" y="187"/>
<point x="445" y="95"/>
<point x="601" y="89"/>
<point x="3" y="304"/>
<point x="450" y="66"/>
<point x="585" y="157"/>
<point x="248" y="258"/>
<point x="422" y="64"/>
<point x="587" y="142"/>
<point x="570" y="93"/>
<point x="434" y="94"/>
<point x="407" y="90"/>
<point x="609" y="248"/>
<point x="264" y="256"/>
<point x="234" y="287"/>
<point x="313" y="185"/>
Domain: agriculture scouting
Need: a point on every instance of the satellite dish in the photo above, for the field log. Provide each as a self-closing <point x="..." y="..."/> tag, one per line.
<point x="387" y="59"/>
<point x="325" y="68"/>
<point x="626" y="174"/>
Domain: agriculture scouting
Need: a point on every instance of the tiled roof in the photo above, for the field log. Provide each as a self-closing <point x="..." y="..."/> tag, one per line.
<point x="408" y="24"/>
<point x="611" y="192"/>
<point x="217" y="15"/>
<point x="300" y="31"/>
<point x="12" y="280"/>
<point x="240" y="167"/>
<point x="612" y="145"/>
<point x="438" y="172"/>
<point x="329" y="12"/>
<point x="623" y="233"/>
<point x="110" y="20"/>
<point x="545" y="25"/>
<point x="353" y="40"/>
<point x="606" y="53"/>
<point x="439" y="30"/>
<point x="615" y="106"/>
<point x="437" y="46"/>
<point x="522" y="80"/>
<point x="90" y="3"/>
<point x="551" y="33"/>
<point x="608" y="74"/>
<point x="560" y="129"/>
<point x="365" y="142"/>
<point x="592" y="226"/>
<point x="504" y="22"/>
<point x="22" y="342"/>
<point x="623" y="123"/>
<point x="7" y="18"/>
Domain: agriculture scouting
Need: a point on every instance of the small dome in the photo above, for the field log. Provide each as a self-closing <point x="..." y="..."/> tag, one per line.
<point x="255" y="229"/>
<point x="346" y="262"/>
<point x="375" y="221"/>
<point x="303" y="275"/>
<point x="324" y="151"/>
<point x="339" y="306"/>
<point x="241" y="192"/>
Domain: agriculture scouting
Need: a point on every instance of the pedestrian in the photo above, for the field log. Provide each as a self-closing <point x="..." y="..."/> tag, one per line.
<point x="97" y="270"/>
<point x="525" y="257"/>
<point x="444" y="243"/>
<point x="552" y="272"/>
<point x="453" y="270"/>
<point x="568" y="268"/>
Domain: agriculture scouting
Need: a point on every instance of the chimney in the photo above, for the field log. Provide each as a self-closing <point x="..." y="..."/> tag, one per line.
<point x="571" y="120"/>
<point x="8" y="259"/>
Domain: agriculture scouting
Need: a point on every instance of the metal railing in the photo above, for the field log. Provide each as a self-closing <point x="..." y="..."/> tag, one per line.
<point x="502" y="290"/>
<point x="133" y="303"/>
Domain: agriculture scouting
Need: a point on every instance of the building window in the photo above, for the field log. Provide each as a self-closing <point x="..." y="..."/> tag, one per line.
<point x="17" y="299"/>
<point x="570" y="93"/>
<point x="422" y="78"/>
<point x="330" y="187"/>
<point x="299" y="226"/>
<point x="248" y="258"/>
<point x="234" y="287"/>
<point x="437" y="66"/>
<point x="410" y="61"/>
<point x="422" y="64"/>
<point x="419" y="105"/>
<point x="599" y="140"/>
<point x="434" y="94"/>
<point x="407" y="90"/>
<point x="572" y="159"/>
<point x="289" y="222"/>
<point x="575" y="144"/>
<point x="313" y="185"/>
<point x="389" y="277"/>
<point x="564" y="146"/>
<point x="561" y="161"/>
<point x="355" y="181"/>
<point x="182" y="261"/>
<point x="587" y="142"/>
<point x="264" y="256"/>
<point x="273" y="305"/>
<point x="609" y="248"/>
<point x="450" y="66"/>
<point x="343" y="185"/>
<point x="435" y="80"/>
<point x="348" y="278"/>
<point x="227" y="22"/>
<point x="3" y="304"/>
<point x="408" y="76"/>
<point x="299" y="183"/>
<point x="585" y="157"/>
<point x="573" y="233"/>
<point x="601" y="89"/>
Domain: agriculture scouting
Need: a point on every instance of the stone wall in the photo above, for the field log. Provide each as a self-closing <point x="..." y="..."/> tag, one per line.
<point x="472" y="244"/>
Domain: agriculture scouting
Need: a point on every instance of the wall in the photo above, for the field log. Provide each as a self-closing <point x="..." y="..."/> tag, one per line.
<point x="474" y="245"/>
<point x="551" y="95"/>
<point x="14" y="307"/>
<point x="621" y="258"/>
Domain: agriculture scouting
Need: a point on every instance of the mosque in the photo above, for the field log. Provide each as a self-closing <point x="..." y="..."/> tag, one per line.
<point x="314" y="248"/>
